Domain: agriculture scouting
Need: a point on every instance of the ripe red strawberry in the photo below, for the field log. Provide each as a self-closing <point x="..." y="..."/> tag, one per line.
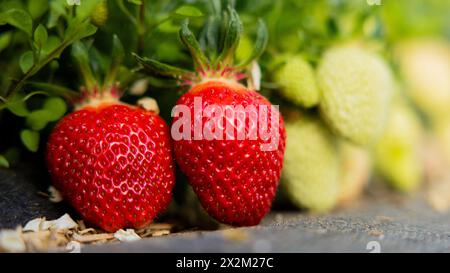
<point x="112" y="162"/>
<point x="235" y="180"/>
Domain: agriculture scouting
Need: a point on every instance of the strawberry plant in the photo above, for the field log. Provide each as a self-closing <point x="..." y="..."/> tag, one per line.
<point x="355" y="82"/>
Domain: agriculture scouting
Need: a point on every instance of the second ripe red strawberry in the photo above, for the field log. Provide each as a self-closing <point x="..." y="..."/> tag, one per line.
<point x="234" y="176"/>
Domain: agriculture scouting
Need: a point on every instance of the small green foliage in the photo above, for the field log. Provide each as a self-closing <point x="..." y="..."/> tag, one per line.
<point x="40" y="36"/>
<point x="30" y="139"/>
<point x="17" y="18"/>
<point x="56" y="107"/>
<point x="26" y="61"/>
<point x="3" y="162"/>
<point x="188" y="11"/>
<point x="17" y="105"/>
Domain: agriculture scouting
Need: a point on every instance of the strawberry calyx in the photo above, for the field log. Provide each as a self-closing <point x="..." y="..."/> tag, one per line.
<point x="94" y="91"/>
<point x="214" y="57"/>
<point x="95" y="97"/>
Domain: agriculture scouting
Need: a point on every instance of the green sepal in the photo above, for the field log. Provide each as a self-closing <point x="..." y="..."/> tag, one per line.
<point x="211" y="34"/>
<point x="117" y="57"/>
<point x="231" y="40"/>
<point x="81" y="57"/>
<point x="189" y="40"/>
<point x="262" y="37"/>
<point x="154" y="67"/>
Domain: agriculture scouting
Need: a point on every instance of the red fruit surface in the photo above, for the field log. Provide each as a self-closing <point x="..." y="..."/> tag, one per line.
<point x="234" y="180"/>
<point x="113" y="164"/>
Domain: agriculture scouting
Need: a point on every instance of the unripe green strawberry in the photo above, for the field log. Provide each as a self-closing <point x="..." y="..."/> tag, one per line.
<point x="297" y="81"/>
<point x="396" y="153"/>
<point x="310" y="173"/>
<point x="355" y="170"/>
<point x="356" y="87"/>
<point x="441" y="129"/>
<point x="425" y="67"/>
<point x="234" y="177"/>
<point x="100" y="14"/>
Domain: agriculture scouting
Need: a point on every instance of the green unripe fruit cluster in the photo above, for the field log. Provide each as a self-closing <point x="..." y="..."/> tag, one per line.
<point x="425" y="68"/>
<point x="396" y="153"/>
<point x="310" y="172"/>
<point x="355" y="171"/>
<point x="297" y="81"/>
<point x="356" y="88"/>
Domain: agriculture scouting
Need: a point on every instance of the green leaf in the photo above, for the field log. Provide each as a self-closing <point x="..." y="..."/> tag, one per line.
<point x="5" y="40"/>
<point x="56" y="107"/>
<point x="57" y="9"/>
<point x="38" y="119"/>
<point x="34" y="93"/>
<point x="37" y="8"/>
<point x="136" y="2"/>
<point x="168" y="27"/>
<point x="18" y="108"/>
<point x="12" y="154"/>
<point x="17" y="105"/>
<point x="88" y="30"/>
<point x="26" y="61"/>
<point x="30" y="139"/>
<point x="4" y="162"/>
<point x="77" y="30"/>
<point x="86" y="8"/>
<point x="52" y="43"/>
<point x="188" y="11"/>
<point x="40" y="36"/>
<point x="53" y="89"/>
<point x="19" y="19"/>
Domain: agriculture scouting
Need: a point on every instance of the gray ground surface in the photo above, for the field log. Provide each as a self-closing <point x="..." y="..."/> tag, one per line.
<point x="410" y="227"/>
<point x="380" y="222"/>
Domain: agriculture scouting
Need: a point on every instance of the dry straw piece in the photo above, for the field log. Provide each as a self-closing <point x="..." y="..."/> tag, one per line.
<point x="64" y="233"/>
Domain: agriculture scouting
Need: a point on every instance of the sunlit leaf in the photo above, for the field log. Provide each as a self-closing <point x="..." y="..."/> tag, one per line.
<point x="188" y="11"/>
